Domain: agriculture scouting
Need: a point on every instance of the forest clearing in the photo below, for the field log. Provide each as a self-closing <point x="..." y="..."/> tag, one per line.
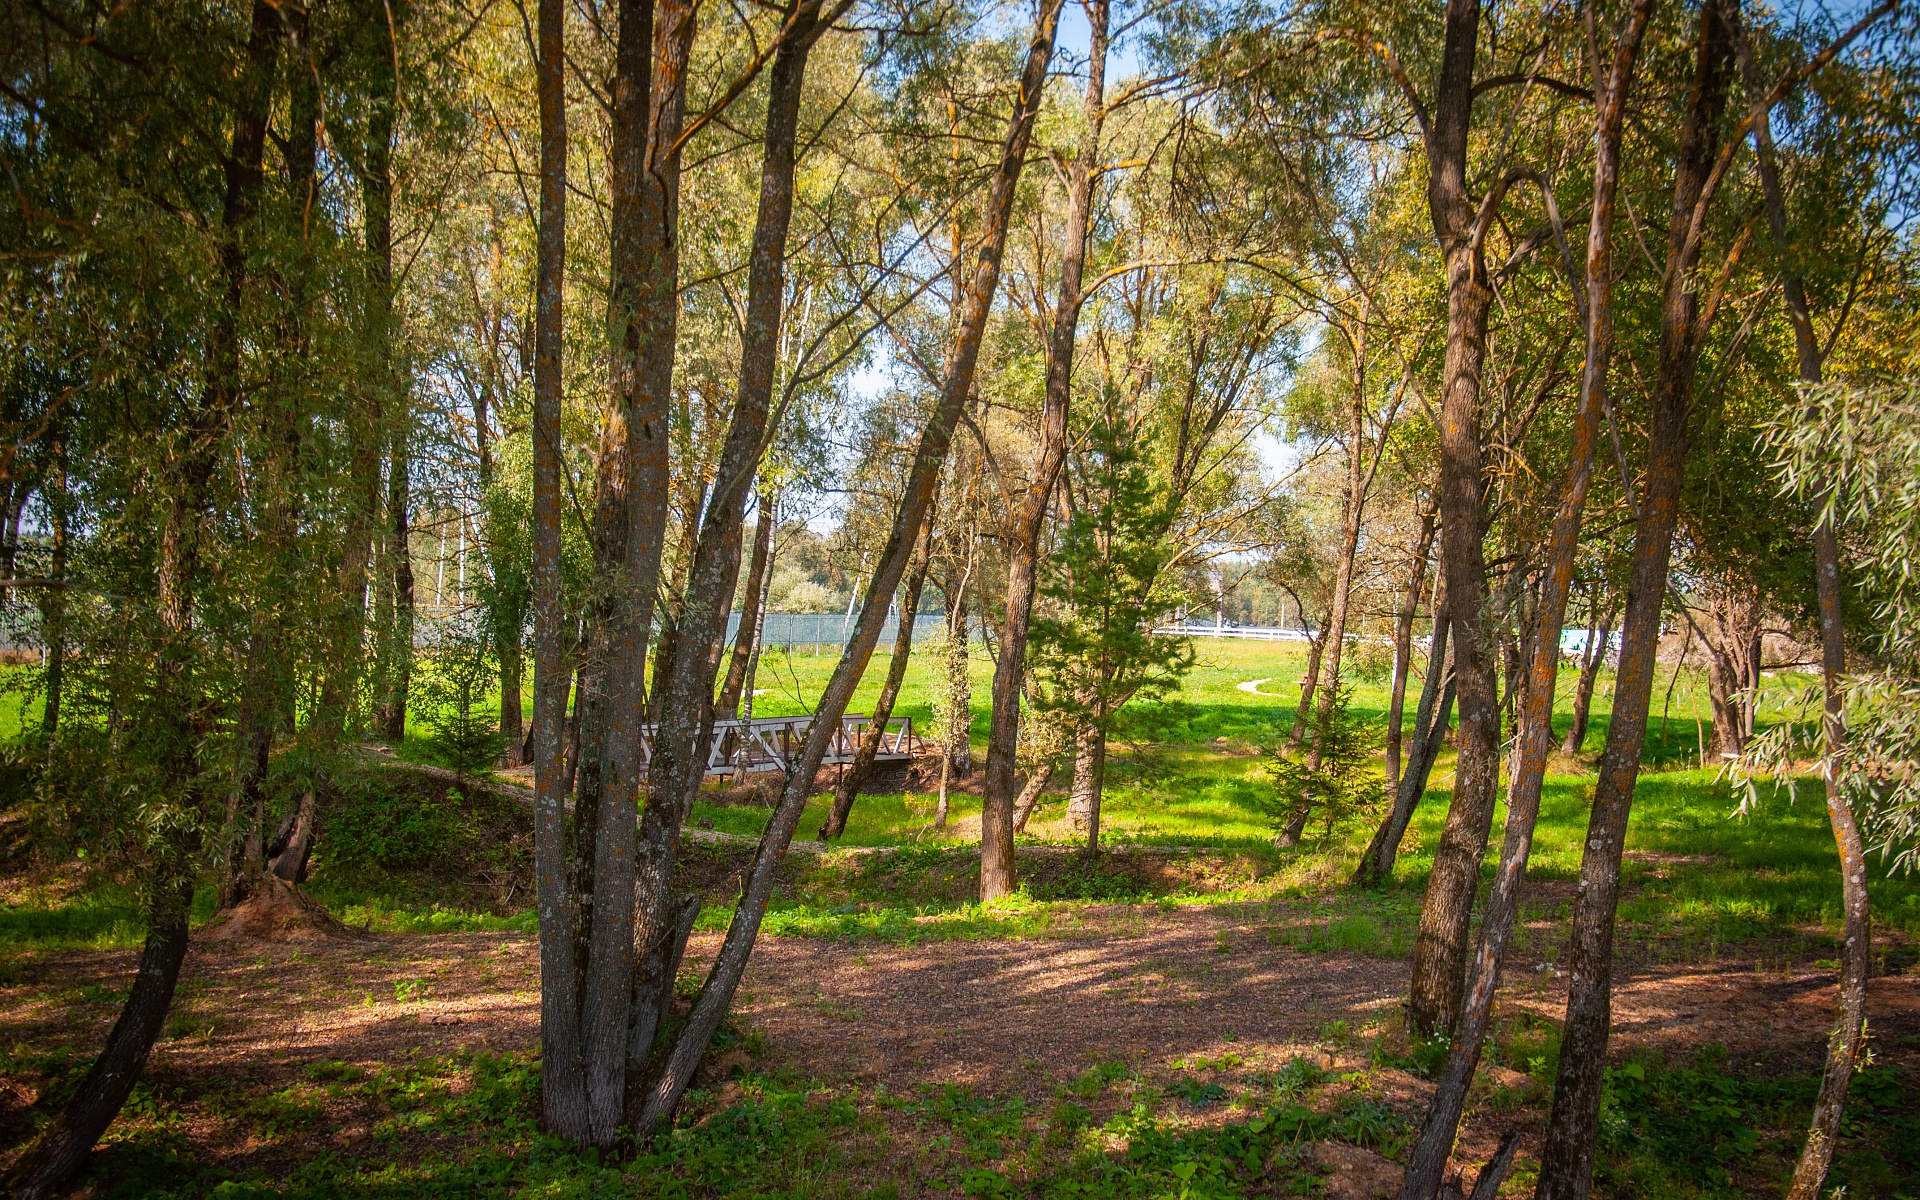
<point x="895" y="1037"/>
<point x="960" y="599"/>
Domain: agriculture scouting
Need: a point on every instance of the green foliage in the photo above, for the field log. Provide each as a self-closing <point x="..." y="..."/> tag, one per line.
<point x="1108" y="583"/>
<point x="1343" y="786"/>
<point x="453" y="681"/>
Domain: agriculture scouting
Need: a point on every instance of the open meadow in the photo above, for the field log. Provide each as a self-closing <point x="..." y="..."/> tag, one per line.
<point x="1194" y="1013"/>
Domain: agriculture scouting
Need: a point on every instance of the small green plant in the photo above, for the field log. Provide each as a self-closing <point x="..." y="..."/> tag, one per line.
<point x="1096" y="1079"/>
<point x="406" y="991"/>
<point x="1336" y="1034"/>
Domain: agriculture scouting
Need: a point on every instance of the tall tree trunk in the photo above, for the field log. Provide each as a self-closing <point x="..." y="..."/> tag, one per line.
<point x="178" y="717"/>
<point x="1429" y="731"/>
<point x="1403" y="644"/>
<point x="53" y="602"/>
<point x="998" y="876"/>
<point x="630" y="516"/>
<point x="1439" y="955"/>
<point x="1846" y="1043"/>
<point x="856" y="774"/>
<point x="563" y="1074"/>
<point x="1089" y="781"/>
<point x="1590" y="664"/>
<point x="685" y="695"/>
<point x="1566" y="1161"/>
<point x="759" y="567"/>
<point x="716" y="995"/>
<point x="1542" y="645"/>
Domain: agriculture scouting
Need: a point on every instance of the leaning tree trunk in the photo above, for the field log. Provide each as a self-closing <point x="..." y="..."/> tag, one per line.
<point x="856" y="774"/>
<point x="723" y="978"/>
<point x="1540" y="642"/>
<point x="1845" y="1044"/>
<point x="685" y="697"/>
<point x="746" y="641"/>
<point x="178" y="717"/>
<point x="1309" y="684"/>
<point x="1566" y="1161"/>
<point x="1429" y="731"/>
<point x="998" y="876"/>
<point x="1334" y="639"/>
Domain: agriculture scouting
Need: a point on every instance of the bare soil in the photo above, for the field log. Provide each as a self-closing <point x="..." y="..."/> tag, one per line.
<point x="1199" y="989"/>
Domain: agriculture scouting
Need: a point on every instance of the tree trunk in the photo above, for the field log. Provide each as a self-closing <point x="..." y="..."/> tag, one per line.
<point x="1429" y="732"/>
<point x="855" y="775"/>
<point x="1403" y="644"/>
<point x="1439" y="955"/>
<point x="1540" y="643"/>
<point x="1845" y="1044"/>
<point x="1566" y="1161"/>
<point x="53" y="602"/>
<point x="631" y="517"/>
<point x="398" y="668"/>
<point x="179" y="722"/>
<point x="759" y="569"/>
<point x="685" y="695"/>
<point x="1030" y="794"/>
<point x="998" y="876"/>
<point x="1309" y="683"/>
<point x="957" y="696"/>
<point x="716" y="995"/>
<point x="563" y="1074"/>
<point x="1089" y="781"/>
<point x="1596" y="657"/>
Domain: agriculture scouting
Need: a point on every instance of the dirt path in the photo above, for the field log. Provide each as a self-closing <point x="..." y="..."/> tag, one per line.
<point x="1137" y="985"/>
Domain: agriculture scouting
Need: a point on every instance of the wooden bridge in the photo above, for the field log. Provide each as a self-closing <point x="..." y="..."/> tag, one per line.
<point x="774" y="743"/>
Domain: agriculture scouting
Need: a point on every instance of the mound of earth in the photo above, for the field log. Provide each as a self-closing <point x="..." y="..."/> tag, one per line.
<point x="277" y="912"/>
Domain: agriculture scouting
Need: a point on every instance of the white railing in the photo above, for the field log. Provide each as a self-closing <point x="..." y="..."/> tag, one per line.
<point x="1262" y="633"/>
<point x="774" y="743"/>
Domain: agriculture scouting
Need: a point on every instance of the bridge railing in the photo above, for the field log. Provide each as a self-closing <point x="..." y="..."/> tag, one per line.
<point x="774" y="743"/>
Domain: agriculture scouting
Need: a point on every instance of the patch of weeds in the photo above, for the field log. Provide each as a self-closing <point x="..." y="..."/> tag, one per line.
<point x="1196" y="1093"/>
<point x="1096" y="1079"/>
<point x="1416" y="1056"/>
<point x="406" y="991"/>
<point x="1370" y="1124"/>
<point x="335" y="1072"/>
<point x="1293" y="1082"/>
<point x="1337" y="1034"/>
<point x="285" y="1111"/>
<point x="1226" y="1062"/>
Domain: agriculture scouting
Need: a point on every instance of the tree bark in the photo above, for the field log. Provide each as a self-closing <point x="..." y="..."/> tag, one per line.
<point x="1566" y="1161"/>
<point x="957" y="696"/>
<point x="716" y="995"/>
<point x="563" y="1074"/>
<point x="53" y="602"/>
<point x="1309" y="684"/>
<point x="759" y="568"/>
<point x="685" y="695"/>
<point x="1596" y="657"/>
<point x="1429" y="732"/>
<point x="178" y="715"/>
<point x="1030" y="794"/>
<point x="1541" y="645"/>
<point x="856" y="774"/>
<point x="1439" y="955"/>
<point x="1845" y="1045"/>
<point x="998" y="876"/>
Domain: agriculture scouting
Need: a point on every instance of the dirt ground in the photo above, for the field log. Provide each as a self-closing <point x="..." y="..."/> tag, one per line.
<point x="1135" y="984"/>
